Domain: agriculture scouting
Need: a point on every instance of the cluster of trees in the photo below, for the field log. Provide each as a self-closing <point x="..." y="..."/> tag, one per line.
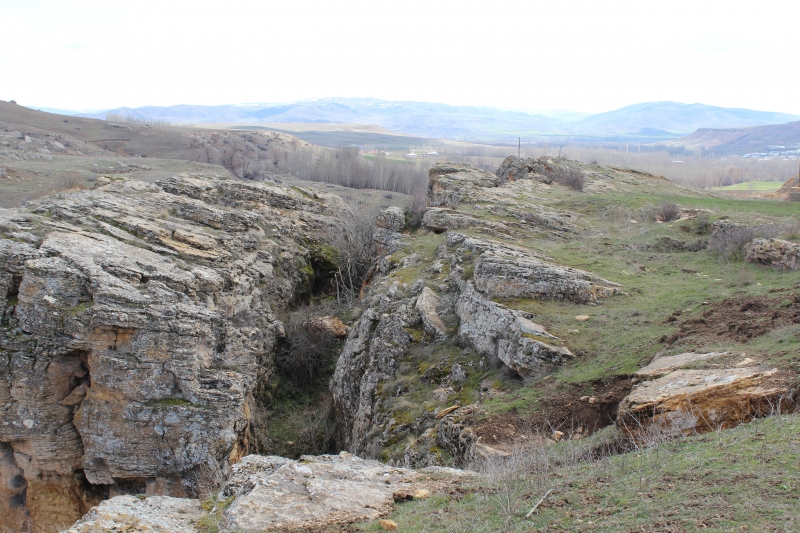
<point x="117" y="117"/>
<point x="347" y="167"/>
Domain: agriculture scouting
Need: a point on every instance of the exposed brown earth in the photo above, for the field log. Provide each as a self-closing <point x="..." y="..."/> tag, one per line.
<point x="569" y="410"/>
<point x="737" y="319"/>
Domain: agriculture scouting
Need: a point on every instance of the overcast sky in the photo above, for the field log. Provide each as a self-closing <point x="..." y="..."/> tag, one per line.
<point x="587" y="56"/>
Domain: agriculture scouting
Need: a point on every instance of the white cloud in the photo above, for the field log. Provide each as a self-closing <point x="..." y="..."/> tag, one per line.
<point x="581" y="55"/>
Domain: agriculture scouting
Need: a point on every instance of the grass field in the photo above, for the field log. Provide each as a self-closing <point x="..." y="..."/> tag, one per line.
<point x="743" y="479"/>
<point x="758" y="186"/>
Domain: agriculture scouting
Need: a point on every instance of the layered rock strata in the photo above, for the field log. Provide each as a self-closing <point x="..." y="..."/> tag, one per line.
<point x="441" y="305"/>
<point x="135" y="328"/>
<point x="697" y="401"/>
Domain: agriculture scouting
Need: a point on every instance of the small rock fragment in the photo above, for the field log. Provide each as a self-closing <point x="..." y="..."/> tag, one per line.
<point x="582" y="318"/>
<point x="403" y="495"/>
<point x="747" y="361"/>
<point x="388" y="525"/>
<point x="444" y="412"/>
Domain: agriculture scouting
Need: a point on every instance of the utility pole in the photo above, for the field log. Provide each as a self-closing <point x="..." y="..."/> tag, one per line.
<point x="519" y="146"/>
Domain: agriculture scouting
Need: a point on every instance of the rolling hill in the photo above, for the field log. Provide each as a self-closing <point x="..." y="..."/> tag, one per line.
<point x="744" y="140"/>
<point x="651" y="121"/>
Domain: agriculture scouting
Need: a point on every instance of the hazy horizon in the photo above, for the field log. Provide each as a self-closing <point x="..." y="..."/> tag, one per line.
<point x="543" y="112"/>
<point x="582" y="56"/>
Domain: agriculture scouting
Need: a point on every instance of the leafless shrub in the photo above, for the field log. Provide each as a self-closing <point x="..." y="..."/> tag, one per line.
<point x="70" y="184"/>
<point x="729" y="244"/>
<point x="308" y="348"/>
<point x="416" y="209"/>
<point x="571" y="178"/>
<point x="356" y="247"/>
<point x="668" y="212"/>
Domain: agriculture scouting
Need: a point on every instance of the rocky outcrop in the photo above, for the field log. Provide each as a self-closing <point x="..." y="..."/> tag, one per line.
<point x="430" y="326"/>
<point x="439" y="220"/>
<point x="661" y="366"/>
<point x="156" y="514"/>
<point x="453" y="183"/>
<point x="511" y="336"/>
<point x="136" y="328"/>
<point x="391" y="218"/>
<point x="514" y="168"/>
<point x="273" y="494"/>
<point x="776" y="253"/>
<point x="370" y="355"/>
<point x="529" y="277"/>
<point x="689" y="401"/>
<point x="427" y="302"/>
<point x="267" y="493"/>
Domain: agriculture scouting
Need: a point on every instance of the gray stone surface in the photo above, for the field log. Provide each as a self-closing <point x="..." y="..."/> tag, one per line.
<point x="776" y="253"/>
<point x="134" y="336"/>
<point x="156" y="514"/>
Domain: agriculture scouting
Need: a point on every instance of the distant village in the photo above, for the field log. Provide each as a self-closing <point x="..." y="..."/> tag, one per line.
<point x="775" y="151"/>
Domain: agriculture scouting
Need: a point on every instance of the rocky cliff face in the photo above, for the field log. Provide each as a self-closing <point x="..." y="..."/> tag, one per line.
<point x="433" y="325"/>
<point x="137" y="323"/>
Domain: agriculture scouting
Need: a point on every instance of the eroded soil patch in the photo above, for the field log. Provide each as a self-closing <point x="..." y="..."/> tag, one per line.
<point x="737" y="319"/>
<point x="575" y="410"/>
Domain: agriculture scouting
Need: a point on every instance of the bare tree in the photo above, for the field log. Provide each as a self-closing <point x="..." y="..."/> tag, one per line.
<point x="356" y="247"/>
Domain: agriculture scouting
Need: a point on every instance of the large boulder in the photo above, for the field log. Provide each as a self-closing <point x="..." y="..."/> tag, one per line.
<point x="156" y="514"/>
<point x="453" y="183"/>
<point x="530" y="277"/>
<point x="514" y="168"/>
<point x="391" y="218"/>
<point x="690" y="401"/>
<point x="508" y="335"/>
<point x="438" y="219"/>
<point x="314" y="492"/>
<point x="427" y="301"/>
<point x="776" y="253"/>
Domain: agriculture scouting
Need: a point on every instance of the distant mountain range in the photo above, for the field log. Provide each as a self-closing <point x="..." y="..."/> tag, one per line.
<point x="647" y="121"/>
<point x="773" y="138"/>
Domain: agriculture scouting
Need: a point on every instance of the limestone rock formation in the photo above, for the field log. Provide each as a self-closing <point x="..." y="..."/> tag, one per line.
<point x="267" y="493"/>
<point x="316" y="491"/>
<point x="134" y="331"/>
<point x="661" y="366"/>
<point x="453" y="183"/>
<point x="156" y="514"/>
<point x="508" y="335"/>
<point x="529" y="277"/>
<point x="427" y="301"/>
<point x="514" y="168"/>
<point x="777" y="253"/>
<point x="391" y="218"/>
<point x="688" y="401"/>
<point x="438" y="219"/>
<point x="385" y="393"/>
